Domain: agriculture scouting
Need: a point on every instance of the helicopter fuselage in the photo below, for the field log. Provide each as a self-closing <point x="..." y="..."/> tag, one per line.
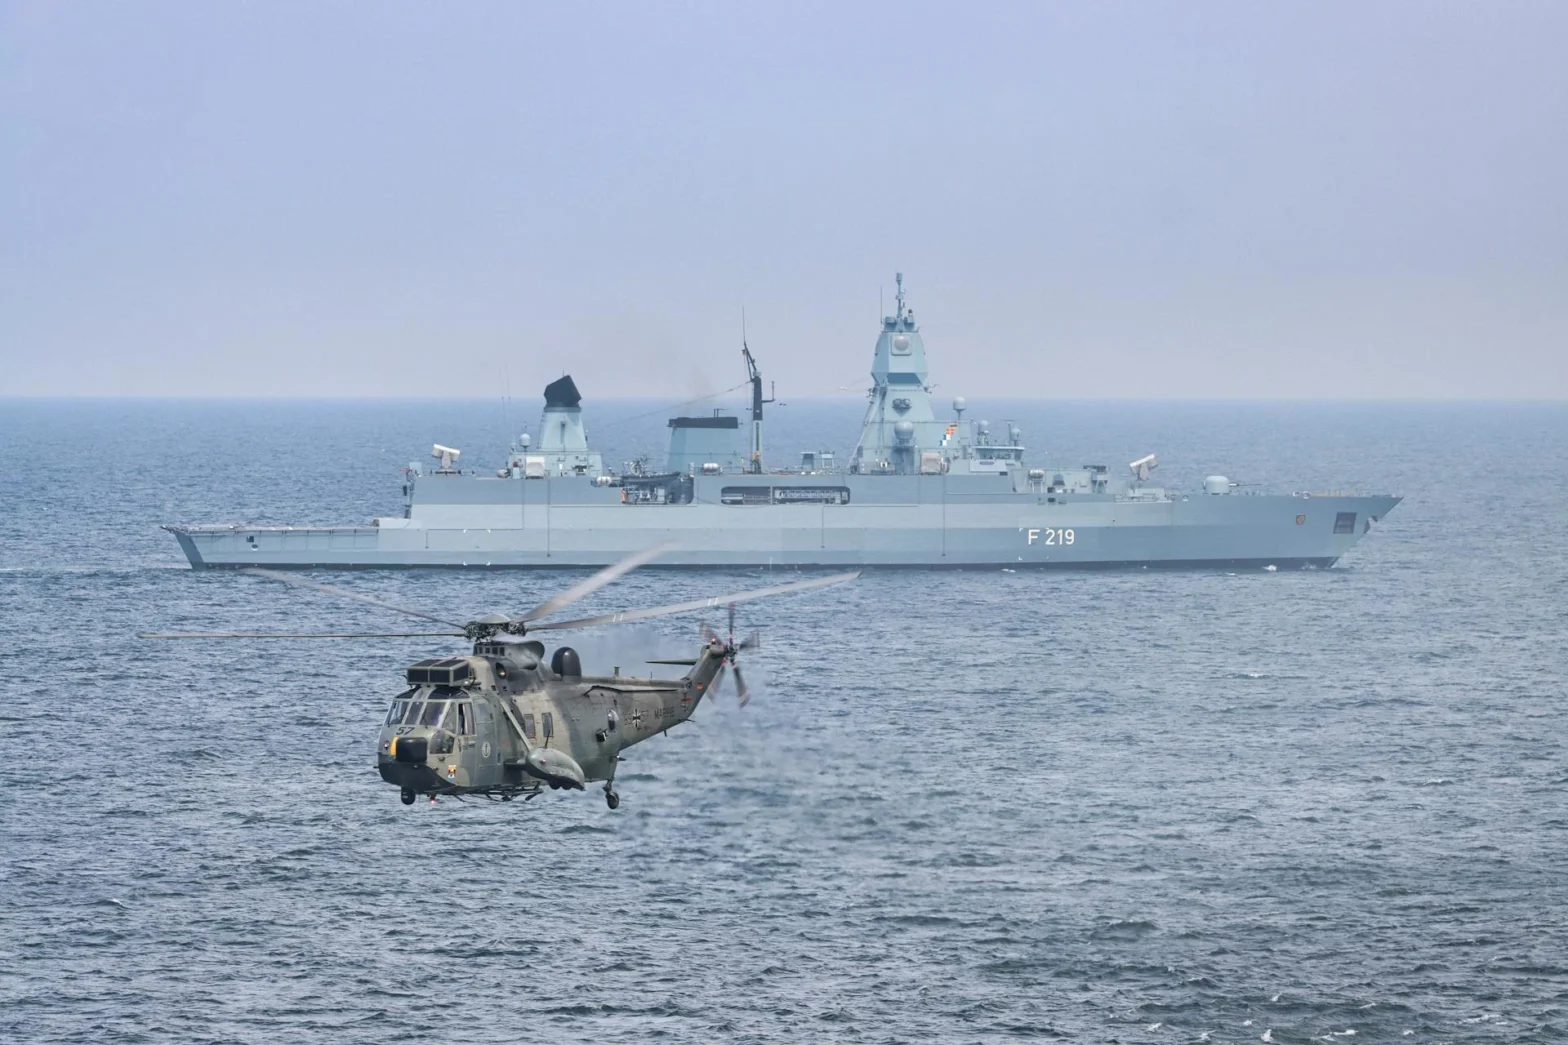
<point x="501" y="723"/>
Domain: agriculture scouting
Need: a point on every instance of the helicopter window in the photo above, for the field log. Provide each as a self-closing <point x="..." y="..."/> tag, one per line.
<point x="412" y="718"/>
<point x="549" y="725"/>
<point x="434" y="711"/>
<point x="528" y="726"/>
<point x="399" y="707"/>
<point x="465" y="720"/>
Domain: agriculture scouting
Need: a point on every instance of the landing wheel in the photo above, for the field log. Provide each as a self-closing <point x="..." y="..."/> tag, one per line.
<point x="612" y="800"/>
<point x="408" y="796"/>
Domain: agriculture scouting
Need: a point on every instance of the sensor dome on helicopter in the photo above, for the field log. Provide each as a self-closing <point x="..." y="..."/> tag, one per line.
<point x="502" y="723"/>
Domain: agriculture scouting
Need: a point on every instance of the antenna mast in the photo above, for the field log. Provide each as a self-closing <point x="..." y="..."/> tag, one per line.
<point x="754" y="465"/>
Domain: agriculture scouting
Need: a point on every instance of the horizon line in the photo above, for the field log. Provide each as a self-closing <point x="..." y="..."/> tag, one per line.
<point x="840" y="398"/>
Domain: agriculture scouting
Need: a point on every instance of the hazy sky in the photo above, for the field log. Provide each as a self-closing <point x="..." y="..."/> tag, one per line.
<point x="1087" y="199"/>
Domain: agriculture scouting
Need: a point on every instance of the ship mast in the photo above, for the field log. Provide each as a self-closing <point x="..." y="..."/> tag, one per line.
<point x="754" y="465"/>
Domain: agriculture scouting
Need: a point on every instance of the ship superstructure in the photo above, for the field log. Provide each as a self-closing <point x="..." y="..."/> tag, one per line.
<point x="918" y="490"/>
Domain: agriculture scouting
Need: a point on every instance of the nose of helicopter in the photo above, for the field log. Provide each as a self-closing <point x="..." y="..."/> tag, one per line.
<point x="406" y="762"/>
<point x="412" y="750"/>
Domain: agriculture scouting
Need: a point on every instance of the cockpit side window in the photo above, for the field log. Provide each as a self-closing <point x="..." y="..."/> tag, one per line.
<point x="465" y="719"/>
<point x="399" y="708"/>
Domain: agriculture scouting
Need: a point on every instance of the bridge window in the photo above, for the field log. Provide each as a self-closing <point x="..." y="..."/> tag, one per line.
<point x="1345" y="522"/>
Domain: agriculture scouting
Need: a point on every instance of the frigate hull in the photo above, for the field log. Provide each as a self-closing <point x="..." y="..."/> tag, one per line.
<point x="929" y="526"/>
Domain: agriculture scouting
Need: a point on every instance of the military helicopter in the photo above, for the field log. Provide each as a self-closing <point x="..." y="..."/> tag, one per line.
<point x="500" y="723"/>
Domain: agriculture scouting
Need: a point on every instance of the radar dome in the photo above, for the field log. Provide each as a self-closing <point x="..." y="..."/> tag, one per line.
<point x="960" y="404"/>
<point x="904" y="431"/>
<point x="901" y="342"/>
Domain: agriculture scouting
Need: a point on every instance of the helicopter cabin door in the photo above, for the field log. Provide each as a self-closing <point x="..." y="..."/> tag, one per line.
<point x="605" y="722"/>
<point x="486" y="752"/>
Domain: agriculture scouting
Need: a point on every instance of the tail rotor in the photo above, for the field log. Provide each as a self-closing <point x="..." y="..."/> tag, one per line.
<point x="728" y="650"/>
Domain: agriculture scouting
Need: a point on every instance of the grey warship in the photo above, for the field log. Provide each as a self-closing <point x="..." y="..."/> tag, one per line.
<point x="918" y="490"/>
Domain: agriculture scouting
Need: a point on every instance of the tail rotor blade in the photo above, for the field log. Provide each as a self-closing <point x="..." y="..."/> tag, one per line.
<point x="718" y="680"/>
<point x="742" y="694"/>
<point x="732" y="624"/>
<point x="751" y="641"/>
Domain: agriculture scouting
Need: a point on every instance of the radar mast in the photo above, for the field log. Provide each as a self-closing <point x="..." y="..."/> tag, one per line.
<point x="754" y="460"/>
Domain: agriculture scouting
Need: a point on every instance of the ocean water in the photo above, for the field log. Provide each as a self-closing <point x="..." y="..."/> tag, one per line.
<point x="969" y="806"/>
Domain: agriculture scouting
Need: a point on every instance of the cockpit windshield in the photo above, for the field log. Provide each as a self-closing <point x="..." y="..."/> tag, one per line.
<point x="408" y="710"/>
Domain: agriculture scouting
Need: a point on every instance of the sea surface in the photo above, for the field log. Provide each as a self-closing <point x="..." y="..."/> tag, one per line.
<point x="967" y="806"/>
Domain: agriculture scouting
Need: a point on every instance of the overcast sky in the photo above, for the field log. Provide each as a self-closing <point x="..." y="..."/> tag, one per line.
<point x="1087" y="200"/>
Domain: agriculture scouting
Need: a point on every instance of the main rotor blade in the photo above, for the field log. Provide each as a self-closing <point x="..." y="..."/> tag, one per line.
<point x="301" y="635"/>
<point x="697" y="604"/>
<point x="597" y="581"/>
<point x="305" y="582"/>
